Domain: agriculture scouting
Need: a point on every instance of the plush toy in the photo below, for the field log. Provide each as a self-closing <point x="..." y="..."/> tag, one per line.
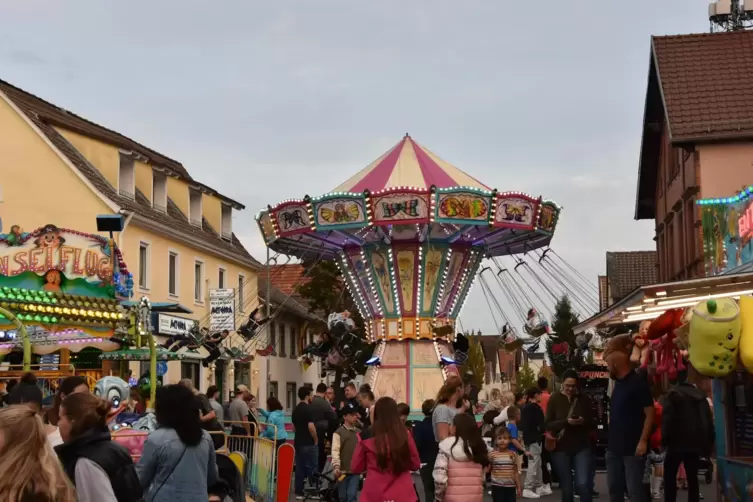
<point x="746" y="333"/>
<point x="114" y="390"/>
<point x="714" y="337"/>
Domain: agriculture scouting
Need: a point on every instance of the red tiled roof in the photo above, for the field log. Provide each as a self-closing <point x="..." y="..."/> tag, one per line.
<point x="45" y="116"/>
<point x="287" y="278"/>
<point x="706" y="84"/>
<point x="627" y="270"/>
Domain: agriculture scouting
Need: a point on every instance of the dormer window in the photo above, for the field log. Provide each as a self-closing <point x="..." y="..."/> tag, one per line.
<point x="127" y="177"/>
<point x="159" y="191"/>
<point x="227" y="222"/>
<point x="194" y="208"/>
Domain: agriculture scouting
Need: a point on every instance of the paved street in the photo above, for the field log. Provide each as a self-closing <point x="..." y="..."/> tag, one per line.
<point x="708" y="491"/>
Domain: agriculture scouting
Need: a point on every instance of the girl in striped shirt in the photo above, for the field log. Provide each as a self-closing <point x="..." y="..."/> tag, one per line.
<point x="505" y="475"/>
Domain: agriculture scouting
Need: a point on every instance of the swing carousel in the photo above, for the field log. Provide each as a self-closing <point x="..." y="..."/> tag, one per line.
<point x="409" y="233"/>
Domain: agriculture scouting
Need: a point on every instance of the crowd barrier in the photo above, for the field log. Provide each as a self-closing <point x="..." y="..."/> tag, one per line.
<point x="255" y="456"/>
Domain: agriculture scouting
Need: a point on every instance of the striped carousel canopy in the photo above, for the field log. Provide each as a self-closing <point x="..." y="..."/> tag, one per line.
<point x="408" y="164"/>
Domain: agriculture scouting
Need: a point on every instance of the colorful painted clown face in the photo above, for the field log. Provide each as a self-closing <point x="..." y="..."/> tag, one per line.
<point x="714" y="337"/>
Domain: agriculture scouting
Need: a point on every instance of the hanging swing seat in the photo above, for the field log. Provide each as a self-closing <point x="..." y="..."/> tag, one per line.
<point x="536" y="325"/>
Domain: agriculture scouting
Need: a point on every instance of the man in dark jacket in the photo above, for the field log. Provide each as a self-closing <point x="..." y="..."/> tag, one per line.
<point x="532" y="427"/>
<point x="325" y="421"/>
<point x="687" y="434"/>
<point x="428" y="449"/>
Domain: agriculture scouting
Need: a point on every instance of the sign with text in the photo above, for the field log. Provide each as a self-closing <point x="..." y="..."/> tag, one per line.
<point x="221" y="310"/>
<point x="172" y="325"/>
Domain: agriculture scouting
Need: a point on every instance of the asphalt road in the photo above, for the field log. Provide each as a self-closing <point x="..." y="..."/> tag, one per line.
<point x="708" y="491"/>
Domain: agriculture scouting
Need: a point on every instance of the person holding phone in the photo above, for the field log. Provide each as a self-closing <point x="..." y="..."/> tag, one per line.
<point x="569" y="421"/>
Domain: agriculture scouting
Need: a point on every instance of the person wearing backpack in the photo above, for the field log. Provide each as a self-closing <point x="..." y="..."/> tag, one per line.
<point x="687" y="435"/>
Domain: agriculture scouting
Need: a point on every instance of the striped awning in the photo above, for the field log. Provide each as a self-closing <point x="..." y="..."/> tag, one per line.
<point x="408" y="164"/>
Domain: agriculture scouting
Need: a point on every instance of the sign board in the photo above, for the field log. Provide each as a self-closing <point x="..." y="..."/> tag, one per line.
<point x="58" y="260"/>
<point x="173" y="325"/>
<point x="161" y="368"/>
<point x="221" y="310"/>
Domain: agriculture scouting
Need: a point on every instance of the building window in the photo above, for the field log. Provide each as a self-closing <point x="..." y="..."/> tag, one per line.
<point x="159" y="191"/>
<point x="227" y="222"/>
<point x="690" y="233"/>
<point x="221" y="279"/>
<point x="172" y="274"/>
<point x="240" y="293"/>
<point x="194" y="207"/>
<point x="198" y="281"/>
<point x="273" y="338"/>
<point x="127" y="177"/>
<point x="190" y="371"/>
<point x="293" y="344"/>
<point x="290" y="395"/>
<point x="144" y="265"/>
<point x="273" y="390"/>
<point x="281" y="332"/>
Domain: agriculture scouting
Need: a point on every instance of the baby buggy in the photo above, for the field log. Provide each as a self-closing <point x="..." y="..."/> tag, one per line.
<point x="230" y="487"/>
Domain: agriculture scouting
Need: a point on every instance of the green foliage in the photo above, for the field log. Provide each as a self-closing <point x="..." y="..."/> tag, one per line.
<point x="525" y="378"/>
<point x="474" y="368"/>
<point x="565" y="319"/>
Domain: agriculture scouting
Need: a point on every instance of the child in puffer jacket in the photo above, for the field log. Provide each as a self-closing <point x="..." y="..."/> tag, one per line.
<point x="459" y="468"/>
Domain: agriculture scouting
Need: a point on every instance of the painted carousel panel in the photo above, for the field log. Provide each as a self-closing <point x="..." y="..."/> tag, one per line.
<point x="392" y="382"/>
<point x="516" y="211"/>
<point x="462" y="206"/>
<point x="340" y="212"/>
<point x="400" y="207"/>
<point x="292" y="218"/>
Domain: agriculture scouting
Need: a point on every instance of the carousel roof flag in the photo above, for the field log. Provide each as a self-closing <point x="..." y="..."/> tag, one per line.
<point x="409" y="232"/>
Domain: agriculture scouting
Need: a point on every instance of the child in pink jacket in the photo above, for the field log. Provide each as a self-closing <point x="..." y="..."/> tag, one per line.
<point x="461" y="463"/>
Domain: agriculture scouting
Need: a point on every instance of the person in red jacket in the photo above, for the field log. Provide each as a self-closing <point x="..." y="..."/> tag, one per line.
<point x="387" y="458"/>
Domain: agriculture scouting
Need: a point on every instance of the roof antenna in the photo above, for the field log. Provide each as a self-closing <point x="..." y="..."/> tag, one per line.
<point x="730" y="15"/>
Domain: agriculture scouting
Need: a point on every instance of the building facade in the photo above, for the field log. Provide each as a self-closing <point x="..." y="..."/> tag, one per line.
<point x="697" y="140"/>
<point x="178" y="241"/>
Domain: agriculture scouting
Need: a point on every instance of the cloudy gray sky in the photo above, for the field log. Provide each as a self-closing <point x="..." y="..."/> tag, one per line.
<point x="272" y="100"/>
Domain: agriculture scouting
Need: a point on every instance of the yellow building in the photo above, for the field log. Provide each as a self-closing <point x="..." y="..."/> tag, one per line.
<point x="59" y="168"/>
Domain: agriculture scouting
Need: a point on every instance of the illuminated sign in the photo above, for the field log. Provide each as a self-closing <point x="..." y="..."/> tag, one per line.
<point x="51" y="251"/>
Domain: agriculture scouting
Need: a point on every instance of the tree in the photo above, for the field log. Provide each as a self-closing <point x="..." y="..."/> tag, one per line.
<point x="525" y="378"/>
<point x="474" y="368"/>
<point x="561" y="348"/>
<point x="325" y="291"/>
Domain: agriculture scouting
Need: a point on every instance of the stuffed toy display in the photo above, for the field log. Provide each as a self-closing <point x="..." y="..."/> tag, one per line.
<point x="714" y="337"/>
<point x="746" y="333"/>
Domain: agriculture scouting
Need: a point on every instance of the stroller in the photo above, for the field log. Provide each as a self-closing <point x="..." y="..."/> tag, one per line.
<point x="230" y="488"/>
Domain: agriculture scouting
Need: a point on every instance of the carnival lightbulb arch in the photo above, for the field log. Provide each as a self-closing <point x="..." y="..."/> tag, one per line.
<point x="409" y="233"/>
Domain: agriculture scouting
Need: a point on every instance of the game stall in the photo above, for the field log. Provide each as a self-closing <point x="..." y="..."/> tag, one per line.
<point x="60" y="296"/>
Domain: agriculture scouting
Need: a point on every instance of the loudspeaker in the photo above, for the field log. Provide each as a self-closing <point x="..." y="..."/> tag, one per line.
<point x="110" y="223"/>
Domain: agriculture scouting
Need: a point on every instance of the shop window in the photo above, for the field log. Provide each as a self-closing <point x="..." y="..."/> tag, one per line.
<point x="242" y="374"/>
<point x="190" y="370"/>
<point x="144" y="369"/>
<point x="290" y="396"/>
<point x="739" y="407"/>
<point x="273" y="390"/>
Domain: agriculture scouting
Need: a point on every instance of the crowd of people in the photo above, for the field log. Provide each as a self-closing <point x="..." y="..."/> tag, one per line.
<point x="552" y="434"/>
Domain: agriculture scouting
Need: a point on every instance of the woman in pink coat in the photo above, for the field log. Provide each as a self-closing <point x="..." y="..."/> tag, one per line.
<point x="387" y="458"/>
<point x="461" y="463"/>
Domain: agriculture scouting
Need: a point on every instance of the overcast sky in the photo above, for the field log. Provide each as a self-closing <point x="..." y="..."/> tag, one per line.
<point x="266" y="101"/>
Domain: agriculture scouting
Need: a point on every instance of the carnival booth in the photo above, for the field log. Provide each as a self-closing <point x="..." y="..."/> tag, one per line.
<point x="60" y="304"/>
<point x="708" y="323"/>
<point x="409" y="233"/>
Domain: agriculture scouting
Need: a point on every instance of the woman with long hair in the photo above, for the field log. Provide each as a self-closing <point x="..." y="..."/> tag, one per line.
<point x="31" y="473"/>
<point x="28" y="392"/>
<point x="178" y="462"/>
<point x="70" y="385"/>
<point x="459" y="468"/>
<point x="388" y="457"/>
<point x="207" y="415"/>
<point x="444" y="413"/>
<point x="101" y="469"/>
